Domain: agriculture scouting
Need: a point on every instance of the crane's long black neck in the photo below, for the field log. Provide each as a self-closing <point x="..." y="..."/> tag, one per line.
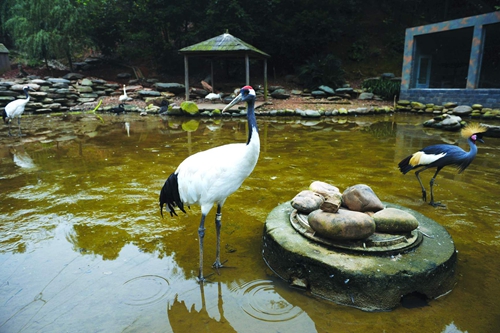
<point x="252" y="121"/>
<point x="26" y="93"/>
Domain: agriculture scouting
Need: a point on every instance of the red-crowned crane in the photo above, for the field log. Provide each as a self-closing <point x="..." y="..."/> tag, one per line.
<point x="209" y="177"/>
<point x="441" y="155"/>
<point x="16" y="108"/>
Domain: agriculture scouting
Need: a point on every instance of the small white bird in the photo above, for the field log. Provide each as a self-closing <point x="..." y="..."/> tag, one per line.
<point x="16" y="109"/>
<point x="212" y="97"/>
<point x="124" y="97"/>
<point x="209" y="177"/>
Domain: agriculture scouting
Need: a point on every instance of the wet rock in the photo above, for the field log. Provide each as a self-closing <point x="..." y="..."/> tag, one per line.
<point x="361" y="198"/>
<point x="175" y="88"/>
<point x="307" y="201"/>
<point x="149" y="93"/>
<point x="56" y="80"/>
<point x="84" y="89"/>
<point x="325" y="189"/>
<point x="394" y="221"/>
<point x="446" y="122"/>
<point x="190" y="107"/>
<point x="343" y="225"/>
<point x="462" y="110"/>
<point x="346" y="90"/>
<point x="366" y="95"/>
<point x="280" y="94"/>
<point x="87" y="82"/>
<point x="318" y="93"/>
<point x="332" y="203"/>
<point x="311" y="114"/>
<point x="327" y="90"/>
<point x="73" y="76"/>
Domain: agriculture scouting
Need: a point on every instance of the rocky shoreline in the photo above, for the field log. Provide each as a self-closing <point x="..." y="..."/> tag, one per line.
<point x="74" y="92"/>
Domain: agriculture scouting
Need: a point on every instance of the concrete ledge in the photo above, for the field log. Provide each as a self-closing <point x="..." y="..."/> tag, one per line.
<point x="370" y="282"/>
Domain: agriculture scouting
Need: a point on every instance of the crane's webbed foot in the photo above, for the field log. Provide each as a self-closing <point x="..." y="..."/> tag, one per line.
<point x="202" y="279"/>
<point x="217" y="264"/>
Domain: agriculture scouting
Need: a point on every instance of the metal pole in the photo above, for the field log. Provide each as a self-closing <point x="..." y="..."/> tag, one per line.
<point x="247" y="67"/>
<point x="265" y="80"/>
<point x="186" y="76"/>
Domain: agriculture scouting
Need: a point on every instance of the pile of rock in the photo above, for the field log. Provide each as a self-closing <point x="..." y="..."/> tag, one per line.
<point x="74" y="92"/>
<point x="355" y="214"/>
<point x="452" y="108"/>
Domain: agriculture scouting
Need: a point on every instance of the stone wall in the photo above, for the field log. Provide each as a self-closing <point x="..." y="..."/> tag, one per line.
<point x="75" y="92"/>
<point x="487" y="97"/>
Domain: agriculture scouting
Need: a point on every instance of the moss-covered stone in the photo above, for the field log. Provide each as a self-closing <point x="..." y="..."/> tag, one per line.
<point x="190" y="107"/>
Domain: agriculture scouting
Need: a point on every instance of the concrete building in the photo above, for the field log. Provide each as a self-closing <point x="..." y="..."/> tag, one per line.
<point x="453" y="61"/>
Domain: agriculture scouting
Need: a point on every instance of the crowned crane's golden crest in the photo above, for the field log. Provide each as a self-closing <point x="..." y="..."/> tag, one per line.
<point x="473" y="128"/>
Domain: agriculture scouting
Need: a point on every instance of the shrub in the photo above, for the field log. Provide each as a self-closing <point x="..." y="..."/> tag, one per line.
<point x="322" y="70"/>
<point x="385" y="88"/>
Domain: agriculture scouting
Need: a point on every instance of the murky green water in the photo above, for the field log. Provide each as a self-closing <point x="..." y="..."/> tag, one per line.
<point x="83" y="247"/>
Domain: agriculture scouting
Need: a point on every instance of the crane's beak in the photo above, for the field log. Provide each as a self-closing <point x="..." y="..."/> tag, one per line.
<point x="237" y="99"/>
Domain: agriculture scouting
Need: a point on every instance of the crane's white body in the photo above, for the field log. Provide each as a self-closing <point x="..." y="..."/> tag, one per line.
<point x="209" y="177"/>
<point x="124" y="97"/>
<point x="223" y="170"/>
<point x="16" y="108"/>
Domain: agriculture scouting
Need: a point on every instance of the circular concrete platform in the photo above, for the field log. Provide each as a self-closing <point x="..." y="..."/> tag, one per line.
<point x="371" y="281"/>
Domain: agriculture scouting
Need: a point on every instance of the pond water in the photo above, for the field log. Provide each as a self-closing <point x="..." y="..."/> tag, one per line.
<point x="83" y="247"/>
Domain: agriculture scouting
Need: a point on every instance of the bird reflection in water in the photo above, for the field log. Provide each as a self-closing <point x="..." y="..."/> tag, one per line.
<point x="185" y="319"/>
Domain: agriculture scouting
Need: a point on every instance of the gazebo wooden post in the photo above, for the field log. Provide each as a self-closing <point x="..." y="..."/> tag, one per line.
<point x="247" y="69"/>
<point x="186" y="76"/>
<point x="265" y="80"/>
<point x="212" y="74"/>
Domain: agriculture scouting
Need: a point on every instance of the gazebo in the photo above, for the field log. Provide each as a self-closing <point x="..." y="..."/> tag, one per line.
<point x="224" y="45"/>
<point x="4" y="59"/>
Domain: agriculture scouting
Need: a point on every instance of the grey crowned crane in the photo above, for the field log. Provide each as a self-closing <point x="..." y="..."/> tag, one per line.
<point x="209" y="177"/>
<point x="440" y="155"/>
<point x="16" y="108"/>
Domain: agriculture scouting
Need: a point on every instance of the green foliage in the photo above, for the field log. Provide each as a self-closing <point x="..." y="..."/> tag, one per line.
<point x="45" y="29"/>
<point x="384" y="88"/>
<point x="359" y="50"/>
<point x="322" y="70"/>
<point x="154" y="30"/>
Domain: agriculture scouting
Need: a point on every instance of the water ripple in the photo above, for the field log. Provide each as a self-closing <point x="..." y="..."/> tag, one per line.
<point x="146" y="289"/>
<point x="259" y="300"/>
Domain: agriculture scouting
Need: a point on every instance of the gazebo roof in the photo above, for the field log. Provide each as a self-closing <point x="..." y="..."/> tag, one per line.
<point x="3" y="49"/>
<point x="225" y="45"/>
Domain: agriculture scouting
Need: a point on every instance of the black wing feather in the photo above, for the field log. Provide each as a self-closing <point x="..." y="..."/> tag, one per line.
<point x="169" y="195"/>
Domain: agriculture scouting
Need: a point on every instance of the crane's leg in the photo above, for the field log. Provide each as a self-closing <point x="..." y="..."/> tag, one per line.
<point x="10" y="122"/>
<point x="424" y="193"/>
<point x="432" y="203"/>
<point x="218" y="217"/>
<point x="19" y="124"/>
<point x="201" y="235"/>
